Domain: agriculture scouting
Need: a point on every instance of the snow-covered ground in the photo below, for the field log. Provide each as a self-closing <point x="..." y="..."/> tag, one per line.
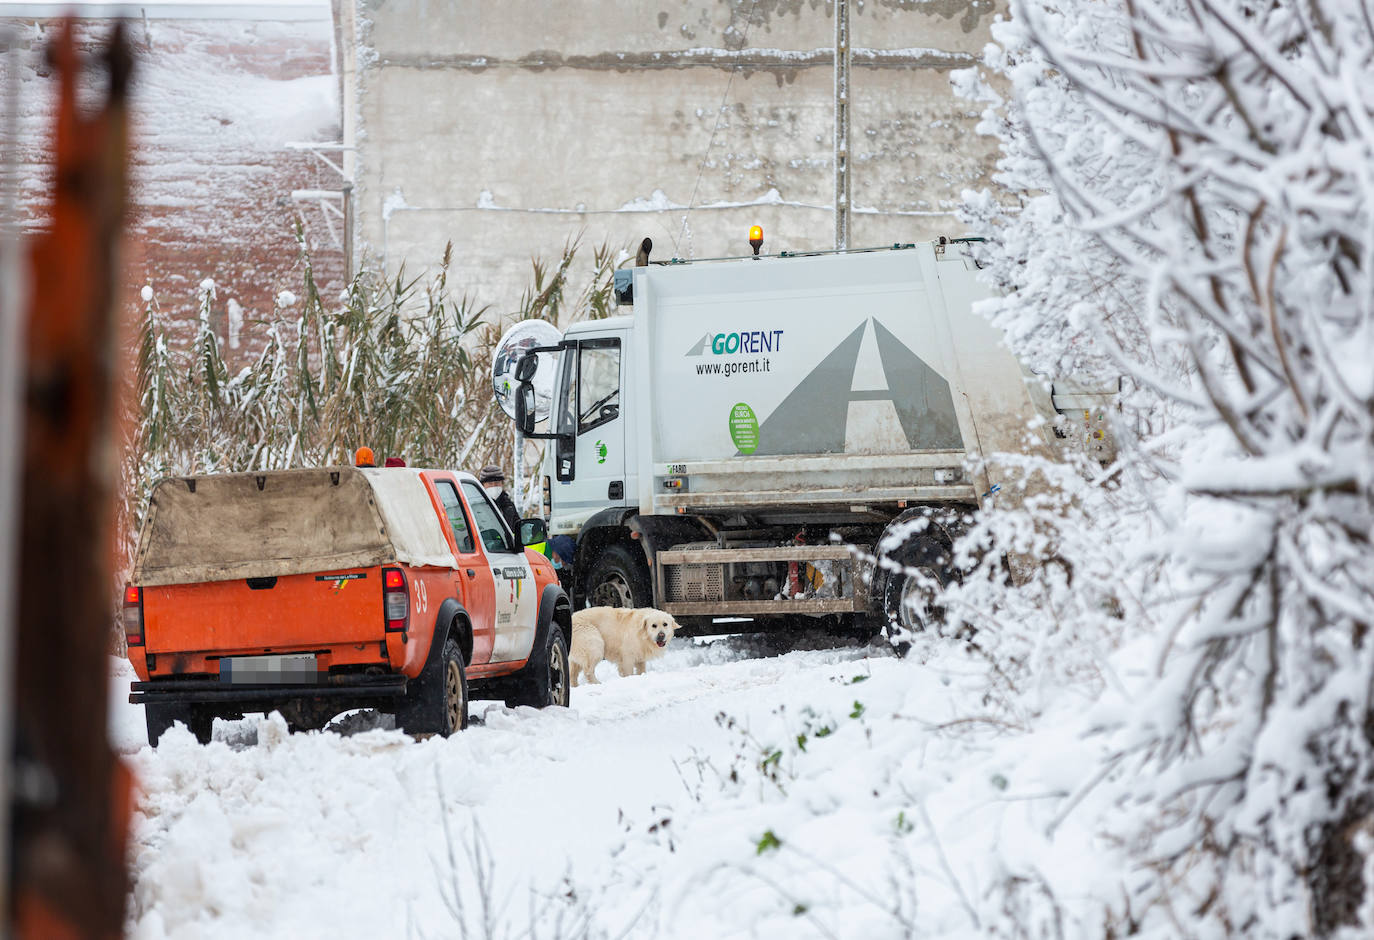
<point x="814" y="793"/>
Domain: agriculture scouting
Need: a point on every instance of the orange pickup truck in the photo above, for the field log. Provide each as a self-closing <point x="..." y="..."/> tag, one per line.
<point x="316" y="591"/>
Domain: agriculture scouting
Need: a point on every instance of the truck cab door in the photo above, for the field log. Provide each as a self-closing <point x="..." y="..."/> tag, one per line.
<point x="515" y="607"/>
<point x="474" y="574"/>
<point x="589" y="464"/>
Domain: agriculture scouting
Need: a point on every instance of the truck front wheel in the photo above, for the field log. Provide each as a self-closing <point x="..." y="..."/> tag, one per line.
<point x="618" y="579"/>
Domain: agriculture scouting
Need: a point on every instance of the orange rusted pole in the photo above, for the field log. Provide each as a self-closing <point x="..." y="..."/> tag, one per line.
<point x="71" y="794"/>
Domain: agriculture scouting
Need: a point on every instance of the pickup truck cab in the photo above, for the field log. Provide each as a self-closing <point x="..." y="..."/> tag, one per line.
<point x="316" y="591"/>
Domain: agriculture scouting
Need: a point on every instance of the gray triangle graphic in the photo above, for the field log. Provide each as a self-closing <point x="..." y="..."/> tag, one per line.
<point x="700" y="347"/>
<point x="925" y="407"/>
<point x="811" y="419"/>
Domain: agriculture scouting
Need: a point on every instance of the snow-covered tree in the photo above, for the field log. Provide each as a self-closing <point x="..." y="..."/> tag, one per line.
<point x="1198" y="179"/>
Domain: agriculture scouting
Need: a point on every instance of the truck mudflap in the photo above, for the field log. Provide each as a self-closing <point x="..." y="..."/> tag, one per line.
<point x="210" y="691"/>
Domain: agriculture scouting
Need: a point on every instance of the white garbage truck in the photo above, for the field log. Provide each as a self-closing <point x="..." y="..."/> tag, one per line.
<point x="739" y="445"/>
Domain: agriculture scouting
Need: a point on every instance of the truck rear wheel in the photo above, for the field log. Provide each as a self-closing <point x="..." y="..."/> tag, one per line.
<point x="908" y="595"/>
<point x="618" y="579"/>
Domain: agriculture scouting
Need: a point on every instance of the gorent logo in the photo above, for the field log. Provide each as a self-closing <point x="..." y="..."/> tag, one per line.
<point x="748" y="341"/>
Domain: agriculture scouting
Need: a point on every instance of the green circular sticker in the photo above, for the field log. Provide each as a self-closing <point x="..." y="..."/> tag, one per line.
<point x="744" y="428"/>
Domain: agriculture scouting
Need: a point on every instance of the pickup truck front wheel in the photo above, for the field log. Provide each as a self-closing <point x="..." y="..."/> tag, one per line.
<point x="546" y="680"/>
<point x="160" y="718"/>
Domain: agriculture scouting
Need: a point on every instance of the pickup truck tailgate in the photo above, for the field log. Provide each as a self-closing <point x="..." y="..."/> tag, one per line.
<point x="299" y="611"/>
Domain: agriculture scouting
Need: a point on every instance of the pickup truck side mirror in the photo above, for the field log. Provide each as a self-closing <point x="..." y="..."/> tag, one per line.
<point x="533" y="531"/>
<point x="524" y="405"/>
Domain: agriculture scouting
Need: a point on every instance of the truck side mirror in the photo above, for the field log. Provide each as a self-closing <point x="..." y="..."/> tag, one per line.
<point x="533" y="531"/>
<point x="526" y="367"/>
<point x="524" y="406"/>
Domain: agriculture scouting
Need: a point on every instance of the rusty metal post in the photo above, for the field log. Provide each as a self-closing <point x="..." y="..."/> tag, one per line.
<point x="71" y="794"/>
<point x="12" y="289"/>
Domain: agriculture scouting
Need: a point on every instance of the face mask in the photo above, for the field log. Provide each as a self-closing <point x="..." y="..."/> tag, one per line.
<point x="494" y="489"/>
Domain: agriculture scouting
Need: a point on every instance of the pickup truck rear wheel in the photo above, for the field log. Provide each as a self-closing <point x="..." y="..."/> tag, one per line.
<point x="455" y="716"/>
<point x="438" y="703"/>
<point x="618" y="579"/>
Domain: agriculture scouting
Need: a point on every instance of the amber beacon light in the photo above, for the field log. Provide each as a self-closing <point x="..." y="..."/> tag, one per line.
<point x="756" y="238"/>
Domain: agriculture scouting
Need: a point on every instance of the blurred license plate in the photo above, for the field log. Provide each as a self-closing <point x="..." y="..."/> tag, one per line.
<point x="285" y="669"/>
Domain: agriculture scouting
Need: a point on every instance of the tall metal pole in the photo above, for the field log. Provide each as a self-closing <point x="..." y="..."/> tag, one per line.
<point x="842" y="186"/>
<point x="518" y="490"/>
<point x="348" y="231"/>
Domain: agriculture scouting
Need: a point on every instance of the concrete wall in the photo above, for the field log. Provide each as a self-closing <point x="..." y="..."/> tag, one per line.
<point x="508" y="128"/>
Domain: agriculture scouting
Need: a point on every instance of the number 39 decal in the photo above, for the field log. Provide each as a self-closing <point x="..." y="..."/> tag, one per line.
<point x="421" y="596"/>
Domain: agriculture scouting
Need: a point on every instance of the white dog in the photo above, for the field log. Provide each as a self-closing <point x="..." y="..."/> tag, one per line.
<point x="628" y="637"/>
